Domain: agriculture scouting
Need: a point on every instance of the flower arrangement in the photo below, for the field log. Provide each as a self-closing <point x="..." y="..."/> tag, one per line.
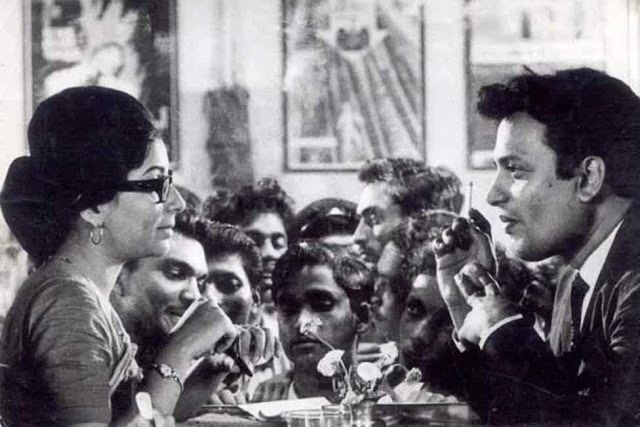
<point x="365" y="380"/>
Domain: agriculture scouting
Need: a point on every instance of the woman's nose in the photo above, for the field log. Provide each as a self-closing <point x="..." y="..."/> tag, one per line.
<point x="175" y="202"/>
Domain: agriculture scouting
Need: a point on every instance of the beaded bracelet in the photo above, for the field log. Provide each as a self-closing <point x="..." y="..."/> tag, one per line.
<point x="167" y="372"/>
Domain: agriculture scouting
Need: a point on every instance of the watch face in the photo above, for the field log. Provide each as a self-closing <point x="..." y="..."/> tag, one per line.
<point x="165" y="370"/>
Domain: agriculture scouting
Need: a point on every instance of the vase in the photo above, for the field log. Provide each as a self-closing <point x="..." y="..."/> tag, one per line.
<point x="355" y="414"/>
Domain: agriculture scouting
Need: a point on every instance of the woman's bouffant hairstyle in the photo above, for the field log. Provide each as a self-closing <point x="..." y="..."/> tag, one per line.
<point x="242" y="207"/>
<point x="351" y="274"/>
<point x="82" y="142"/>
<point x="222" y="239"/>
<point x="586" y="113"/>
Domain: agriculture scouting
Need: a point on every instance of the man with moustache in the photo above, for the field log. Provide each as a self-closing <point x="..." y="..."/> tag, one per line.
<point x="566" y="185"/>
<point x="317" y="283"/>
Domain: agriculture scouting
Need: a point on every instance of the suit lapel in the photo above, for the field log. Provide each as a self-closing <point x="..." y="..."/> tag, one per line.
<point x="623" y="256"/>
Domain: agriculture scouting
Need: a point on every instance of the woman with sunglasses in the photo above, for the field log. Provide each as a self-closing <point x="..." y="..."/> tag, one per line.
<point x="94" y="193"/>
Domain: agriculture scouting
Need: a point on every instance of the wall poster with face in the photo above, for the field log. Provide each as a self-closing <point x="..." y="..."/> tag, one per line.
<point x="353" y="82"/>
<point x="123" y="44"/>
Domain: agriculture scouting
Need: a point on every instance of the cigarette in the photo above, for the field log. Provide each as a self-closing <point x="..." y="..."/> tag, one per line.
<point x="145" y="407"/>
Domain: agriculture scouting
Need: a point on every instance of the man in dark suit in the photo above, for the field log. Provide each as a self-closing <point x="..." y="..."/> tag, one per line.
<point x="567" y="155"/>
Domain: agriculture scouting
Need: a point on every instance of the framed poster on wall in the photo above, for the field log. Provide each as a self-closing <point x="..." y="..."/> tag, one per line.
<point x="123" y="44"/>
<point x="507" y="38"/>
<point x="353" y="82"/>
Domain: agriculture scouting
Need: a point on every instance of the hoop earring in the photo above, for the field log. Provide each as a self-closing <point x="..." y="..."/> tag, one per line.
<point x="92" y="237"/>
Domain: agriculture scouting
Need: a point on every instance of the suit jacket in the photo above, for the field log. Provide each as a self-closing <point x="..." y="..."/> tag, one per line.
<point x="518" y="377"/>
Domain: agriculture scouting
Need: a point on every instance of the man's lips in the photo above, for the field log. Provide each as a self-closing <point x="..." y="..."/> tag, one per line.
<point x="304" y="341"/>
<point x="508" y="221"/>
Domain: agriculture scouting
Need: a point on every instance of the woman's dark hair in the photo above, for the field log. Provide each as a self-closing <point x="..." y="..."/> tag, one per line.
<point x="242" y="207"/>
<point x="82" y="142"/>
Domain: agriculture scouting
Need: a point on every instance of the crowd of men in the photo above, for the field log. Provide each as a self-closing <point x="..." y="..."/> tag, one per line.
<point x="546" y="330"/>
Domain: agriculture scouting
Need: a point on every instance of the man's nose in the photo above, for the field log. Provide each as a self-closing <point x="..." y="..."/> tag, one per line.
<point x="268" y="252"/>
<point x="497" y="193"/>
<point x="360" y="234"/>
<point x="191" y="292"/>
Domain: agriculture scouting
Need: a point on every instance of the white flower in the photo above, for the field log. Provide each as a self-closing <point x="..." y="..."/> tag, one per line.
<point x="369" y="372"/>
<point x="413" y="376"/>
<point x="389" y="354"/>
<point x="330" y="363"/>
<point x="309" y="324"/>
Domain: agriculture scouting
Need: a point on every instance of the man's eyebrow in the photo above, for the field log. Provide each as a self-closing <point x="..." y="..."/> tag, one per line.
<point x="507" y="158"/>
<point x="174" y="262"/>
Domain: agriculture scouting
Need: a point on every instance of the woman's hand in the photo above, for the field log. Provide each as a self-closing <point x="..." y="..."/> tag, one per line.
<point x="206" y="330"/>
<point x="159" y="420"/>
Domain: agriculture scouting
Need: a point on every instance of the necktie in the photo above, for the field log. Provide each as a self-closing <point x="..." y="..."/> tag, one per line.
<point x="579" y="289"/>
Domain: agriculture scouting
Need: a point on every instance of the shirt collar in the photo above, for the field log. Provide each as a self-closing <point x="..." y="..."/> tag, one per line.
<point x="592" y="266"/>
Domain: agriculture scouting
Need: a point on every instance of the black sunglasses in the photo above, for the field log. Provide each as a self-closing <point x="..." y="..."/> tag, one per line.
<point x="161" y="186"/>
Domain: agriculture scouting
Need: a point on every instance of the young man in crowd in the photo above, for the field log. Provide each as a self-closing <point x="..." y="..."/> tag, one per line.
<point x="263" y="211"/>
<point x="379" y="212"/>
<point x="318" y="284"/>
<point x="396" y="188"/>
<point x="566" y="185"/>
<point x="234" y="274"/>
<point x="153" y="293"/>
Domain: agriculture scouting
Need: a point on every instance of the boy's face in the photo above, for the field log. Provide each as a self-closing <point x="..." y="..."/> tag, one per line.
<point x="313" y="293"/>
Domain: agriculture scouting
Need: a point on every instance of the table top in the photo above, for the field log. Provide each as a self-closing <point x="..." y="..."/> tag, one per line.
<point x="389" y="415"/>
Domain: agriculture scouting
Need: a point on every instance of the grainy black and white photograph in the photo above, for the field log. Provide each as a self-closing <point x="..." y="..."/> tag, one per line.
<point x="310" y="213"/>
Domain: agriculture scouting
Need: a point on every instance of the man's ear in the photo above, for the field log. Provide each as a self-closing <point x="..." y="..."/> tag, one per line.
<point x="255" y="297"/>
<point x="591" y="171"/>
<point x="363" y="317"/>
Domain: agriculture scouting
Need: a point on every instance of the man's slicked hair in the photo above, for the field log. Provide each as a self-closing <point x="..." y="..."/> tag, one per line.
<point x="586" y="113"/>
<point x="224" y="239"/>
<point x="242" y="207"/>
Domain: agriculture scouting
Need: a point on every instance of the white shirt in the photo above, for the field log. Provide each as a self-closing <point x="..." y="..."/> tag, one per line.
<point x="592" y="267"/>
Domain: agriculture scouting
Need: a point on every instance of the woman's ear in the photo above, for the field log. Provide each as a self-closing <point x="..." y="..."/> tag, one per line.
<point x="591" y="171"/>
<point x="96" y="215"/>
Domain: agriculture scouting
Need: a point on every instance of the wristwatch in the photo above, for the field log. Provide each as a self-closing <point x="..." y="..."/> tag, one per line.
<point x="166" y="371"/>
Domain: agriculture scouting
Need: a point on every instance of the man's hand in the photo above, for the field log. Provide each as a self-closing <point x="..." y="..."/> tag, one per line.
<point x="257" y="345"/>
<point x="462" y="243"/>
<point x="226" y="397"/>
<point x="274" y="389"/>
<point x="488" y="305"/>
